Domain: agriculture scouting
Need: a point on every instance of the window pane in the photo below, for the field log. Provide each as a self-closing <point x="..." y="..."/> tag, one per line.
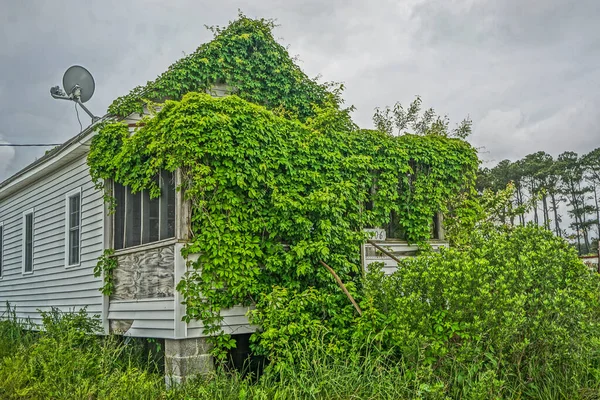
<point x="151" y="217"/>
<point x="74" y="209"/>
<point x="74" y="247"/>
<point x="133" y="224"/>
<point x="139" y="219"/>
<point x="167" y="199"/>
<point x="119" y="216"/>
<point x="394" y="230"/>
<point x="28" y="242"/>
<point x="434" y="227"/>
<point x="171" y="209"/>
<point x="74" y="222"/>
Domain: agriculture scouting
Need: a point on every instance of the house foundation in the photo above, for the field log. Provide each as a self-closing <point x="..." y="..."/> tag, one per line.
<point x="186" y="358"/>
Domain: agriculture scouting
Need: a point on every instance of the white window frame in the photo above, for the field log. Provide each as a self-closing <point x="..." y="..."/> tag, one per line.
<point x="2" y="235"/>
<point x="76" y="192"/>
<point x="23" y="240"/>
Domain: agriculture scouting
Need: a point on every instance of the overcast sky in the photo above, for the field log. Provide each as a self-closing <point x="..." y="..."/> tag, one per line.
<point x="526" y="71"/>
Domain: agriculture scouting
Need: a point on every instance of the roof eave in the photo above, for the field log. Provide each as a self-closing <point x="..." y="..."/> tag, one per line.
<point x="76" y="146"/>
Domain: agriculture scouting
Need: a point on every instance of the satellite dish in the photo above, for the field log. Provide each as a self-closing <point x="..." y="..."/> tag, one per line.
<point x="79" y="87"/>
<point x="77" y="77"/>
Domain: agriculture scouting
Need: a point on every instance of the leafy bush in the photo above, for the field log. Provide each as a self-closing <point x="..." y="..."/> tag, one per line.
<point x="517" y="312"/>
<point x="66" y="360"/>
<point x="289" y="318"/>
<point x="278" y="176"/>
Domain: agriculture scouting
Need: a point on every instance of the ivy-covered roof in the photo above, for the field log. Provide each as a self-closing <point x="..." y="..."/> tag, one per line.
<point x="244" y="55"/>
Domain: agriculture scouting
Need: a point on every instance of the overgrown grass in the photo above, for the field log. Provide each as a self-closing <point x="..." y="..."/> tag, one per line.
<point x="67" y="361"/>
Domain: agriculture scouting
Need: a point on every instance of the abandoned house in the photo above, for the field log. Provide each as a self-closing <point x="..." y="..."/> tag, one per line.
<point x="54" y="225"/>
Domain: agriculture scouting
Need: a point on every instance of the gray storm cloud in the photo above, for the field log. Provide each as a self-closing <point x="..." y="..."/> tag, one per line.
<point x="525" y="72"/>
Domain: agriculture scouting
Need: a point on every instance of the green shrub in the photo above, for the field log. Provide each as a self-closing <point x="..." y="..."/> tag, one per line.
<point x="67" y="360"/>
<point x="288" y="318"/>
<point x="516" y="313"/>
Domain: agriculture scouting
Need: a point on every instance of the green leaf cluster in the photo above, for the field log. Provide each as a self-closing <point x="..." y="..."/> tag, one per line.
<point x="245" y="56"/>
<point x="278" y="178"/>
<point x="272" y="196"/>
<point x="104" y="268"/>
<point x="518" y="305"/>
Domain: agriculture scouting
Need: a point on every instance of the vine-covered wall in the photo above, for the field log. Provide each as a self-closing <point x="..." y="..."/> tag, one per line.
<point x="245" y="56"/>
<point x="278" y="176"/>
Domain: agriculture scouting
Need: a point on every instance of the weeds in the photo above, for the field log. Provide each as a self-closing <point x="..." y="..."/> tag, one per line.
<point x="66" y="360"/>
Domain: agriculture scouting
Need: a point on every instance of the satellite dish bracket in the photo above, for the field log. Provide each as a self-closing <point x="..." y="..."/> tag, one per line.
<point x="92" y="116"/>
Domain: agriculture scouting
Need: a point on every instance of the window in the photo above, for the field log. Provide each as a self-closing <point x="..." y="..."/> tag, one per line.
<point x="73" y="228"/>
<point x="437" y="227"/>
<point x="28" y="242"/>
<point x="395" y="231"/>
<point x="1" y="248"/>
<point x="138" y="219"/>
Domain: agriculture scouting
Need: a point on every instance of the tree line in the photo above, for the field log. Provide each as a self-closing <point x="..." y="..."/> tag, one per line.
<point x="541" y="184"/>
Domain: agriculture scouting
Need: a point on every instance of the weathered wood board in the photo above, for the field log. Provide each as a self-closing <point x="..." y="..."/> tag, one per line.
<point x="399" y="249"/>
<point x="591" y="262"/>
<point x="147" y="274"/>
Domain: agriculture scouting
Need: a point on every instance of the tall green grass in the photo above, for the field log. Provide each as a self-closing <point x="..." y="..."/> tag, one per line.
<point x="66" y="360"/>
<point x="13" y="332"/>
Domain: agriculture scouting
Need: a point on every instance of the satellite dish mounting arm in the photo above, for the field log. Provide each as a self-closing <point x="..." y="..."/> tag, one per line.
<point x="57" y="93"/>
<point x="92" y="116"/>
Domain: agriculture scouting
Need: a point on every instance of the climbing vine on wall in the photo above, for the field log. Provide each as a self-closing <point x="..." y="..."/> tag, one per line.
<point x="273" y="193"/>
<point x="104" y="269"/>
<point x="245" y="56"/>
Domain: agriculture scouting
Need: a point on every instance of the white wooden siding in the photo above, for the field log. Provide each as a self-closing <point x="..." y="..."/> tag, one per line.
<point x="51" y="283"/>
<point x="399" y="249"/>
<point x="150" y="317"/>
<point x="162" y="317"/>
<point x="234" y="322"/>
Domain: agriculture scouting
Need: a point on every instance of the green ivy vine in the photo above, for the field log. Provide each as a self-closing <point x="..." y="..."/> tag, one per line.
<point x="278" y="176"/>
<point x="104" y="268"/>
<point x="246" y="57"/>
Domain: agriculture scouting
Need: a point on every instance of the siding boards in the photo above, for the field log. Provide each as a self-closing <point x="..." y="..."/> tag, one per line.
<point x="234" y="322"/>
<point x="399" y="249"/>
<point x="60" y="284"/>
<point x="64" y="180"/>
<point x="142" y="305"/>
<point x="52" y="284"/>
<point x="143" y="318"/>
